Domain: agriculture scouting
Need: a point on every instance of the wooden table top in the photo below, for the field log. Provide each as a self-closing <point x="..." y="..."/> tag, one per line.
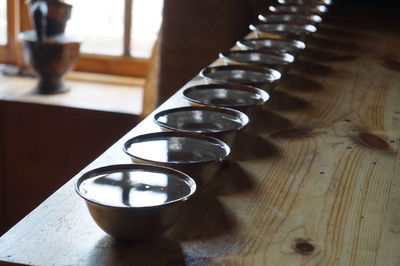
<point x="316" y="181"/>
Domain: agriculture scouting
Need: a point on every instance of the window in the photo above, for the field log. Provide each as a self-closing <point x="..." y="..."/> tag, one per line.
<point x="101" y="23"/>
<point x="118" y="35"/>
<point x="3" y="22"/>
<point x="146" y="21"/>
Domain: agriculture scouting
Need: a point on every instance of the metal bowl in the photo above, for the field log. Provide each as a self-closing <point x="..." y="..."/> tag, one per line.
<point x="290" y="18"/>
<point x="278" y="61"/>
<point x="305" y="2"/>
<point x="289" y="31"/>
<point x="260" y="77"/>
<point x="272" y="45"/>
<point x="198" y="155"/>
<point x="221" y="123"/>
<point x="240" y="97"/>
<point x="299" y="9"/>
<point x="135" y="201"/>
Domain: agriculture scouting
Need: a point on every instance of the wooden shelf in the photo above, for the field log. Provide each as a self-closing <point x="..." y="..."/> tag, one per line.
<point x="86" y="92"/>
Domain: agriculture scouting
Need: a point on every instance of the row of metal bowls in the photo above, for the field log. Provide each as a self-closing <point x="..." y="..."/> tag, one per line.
<point x="141" y="200"/>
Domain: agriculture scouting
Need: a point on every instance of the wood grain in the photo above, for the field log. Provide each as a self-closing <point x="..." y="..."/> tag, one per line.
<point x="314" y="182"/>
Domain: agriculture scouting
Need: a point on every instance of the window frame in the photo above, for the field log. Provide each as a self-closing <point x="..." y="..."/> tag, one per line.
<point x="123" y="65"/>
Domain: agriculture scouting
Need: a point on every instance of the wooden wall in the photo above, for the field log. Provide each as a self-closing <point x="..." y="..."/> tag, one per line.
<point x="42" y="146"/>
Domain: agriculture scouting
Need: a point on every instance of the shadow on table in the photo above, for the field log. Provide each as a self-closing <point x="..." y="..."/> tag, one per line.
<point x="337" y="33"/>
<point x="250" y="146"/>
<point x="322" y="55"/>
<point x="161" y="251"/>
<point x="310" y="68"/>
<point x="362" y="28"/>
<point x="282" y="101"/>
<point x="205" y="217"/>
<point x="330" y="43"/>
<point x="231" y="179"/>
<point x="297" y="82"/>
<point x="267" y="122"/>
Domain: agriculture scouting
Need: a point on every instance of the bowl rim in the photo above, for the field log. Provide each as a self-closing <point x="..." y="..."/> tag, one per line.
<point x="229" y="86"/>
<point x="272" y="74"/>
<point x="297" y="44"/>
<point x="244" y="119"/>
<point x="141" y="137"/>
<point x="285" y="57"/>
<point x="120" y="167"/>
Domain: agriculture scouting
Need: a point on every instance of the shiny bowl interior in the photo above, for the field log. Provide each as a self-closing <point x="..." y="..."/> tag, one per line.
<point x="290" y="18"/>
<point x="243" y="74"/>
<point x="226" y="95"/>
<point x="176" y="147"/>
<point x="135" y="201"/>
<point x="269" y="44"/>
<point x="281" y="28"/>
<point x="202" y="119"/>
<point x="263" y="59"/>
<point x="299" y="9"/>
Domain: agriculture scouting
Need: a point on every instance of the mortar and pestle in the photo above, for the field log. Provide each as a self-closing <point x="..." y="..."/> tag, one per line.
<point x="47" y="49"/>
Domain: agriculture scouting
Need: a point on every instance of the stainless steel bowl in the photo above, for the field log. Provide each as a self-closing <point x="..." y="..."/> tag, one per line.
<point x="299" y="9"/>
<point x="289" y="31"/>
<point x="271" y="45"/>
<point x="277" y="61"/>
<point x="240" y="97"/>
<point x="260" y="77"/>
<point x="290" y="18"/>
<point x="135" y="201"/>
<point x="198" y="155"/>
<point x="221" y="123"/>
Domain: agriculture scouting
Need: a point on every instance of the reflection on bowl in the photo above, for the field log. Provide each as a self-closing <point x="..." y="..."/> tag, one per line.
<point x="277" y="61"/>
<point x="290" y="18"/>
<point x="260" y="77"/>
<point x="286" y="30"/>
<point x="221" y="123"/>
<point x="240" y="97"/>
<point x="197" y="155"/>
<point x="135" y="201"/>
<point x="272" y="45"/>
<point x="305" y="2"/>
<point x="299" y="9"/>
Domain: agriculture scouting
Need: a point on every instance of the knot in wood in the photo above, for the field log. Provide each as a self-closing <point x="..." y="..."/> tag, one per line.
<point x="373" y="141"/>
<point x="303" y="247"/>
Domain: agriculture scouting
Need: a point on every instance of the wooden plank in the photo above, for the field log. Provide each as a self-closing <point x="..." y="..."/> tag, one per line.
<point x="105" y="79"/>
<point x="127" y="27"/>
<point x="13" y="29"/>
<point x="313" y="182"/>
<point x="113" y="65"/>
<point x="150" y="92"/>
<point x="3" y="54"/>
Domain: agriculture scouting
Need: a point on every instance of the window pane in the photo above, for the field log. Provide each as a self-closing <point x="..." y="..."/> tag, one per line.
<point x="3" y="22"/>
<point x="146" y="21"/>
<point x="100" y="23"/>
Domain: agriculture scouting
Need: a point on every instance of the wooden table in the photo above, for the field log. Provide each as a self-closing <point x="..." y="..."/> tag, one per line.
<point x="316" y="181"/>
